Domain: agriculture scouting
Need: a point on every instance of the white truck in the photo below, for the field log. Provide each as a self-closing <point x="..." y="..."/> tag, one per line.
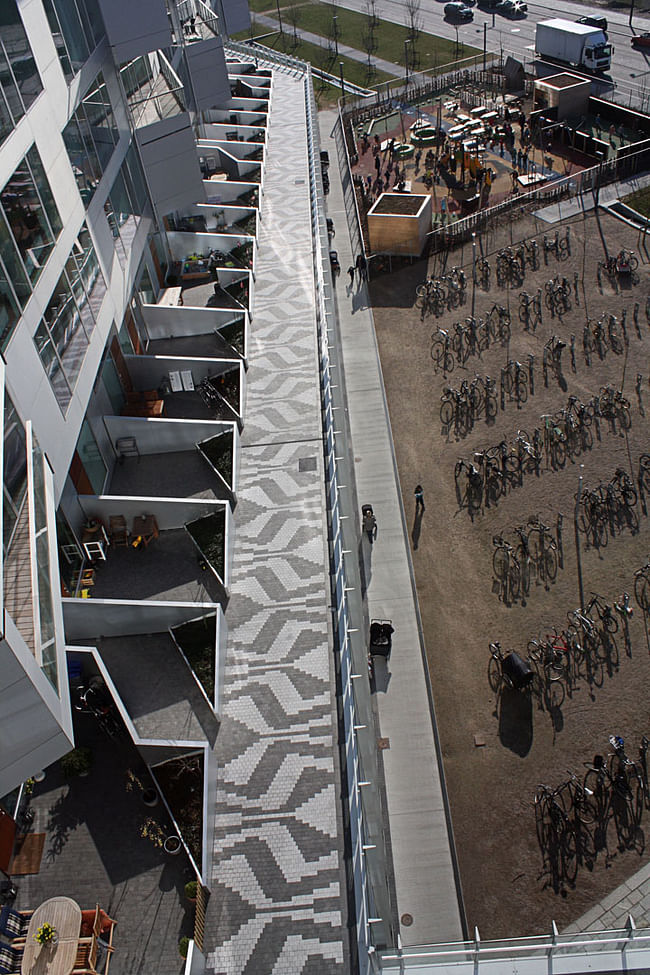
<point x="579" y="45"/>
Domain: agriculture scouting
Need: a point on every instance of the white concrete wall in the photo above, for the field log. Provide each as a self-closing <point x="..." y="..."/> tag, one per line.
<point x="31" y="717"/>
<point x="160" y="436"/>
<point x="170" y="513"/>
<point x="181" y="244"/>
<point x="226" y="191"/>
<point x="148" y="371"/>
<point x="86" y="619"/>
<point x="163" y="322"/>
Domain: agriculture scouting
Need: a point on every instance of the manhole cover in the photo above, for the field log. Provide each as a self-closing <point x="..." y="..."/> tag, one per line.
<point x="307" y="464"/>
<point x="407" y="920"/>
<point x="383" y="743"/>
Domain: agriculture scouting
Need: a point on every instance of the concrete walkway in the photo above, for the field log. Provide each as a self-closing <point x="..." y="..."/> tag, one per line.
<point x="583" y="204"/>
<point x="395" y="70"/>
<point x="425" y="881"/>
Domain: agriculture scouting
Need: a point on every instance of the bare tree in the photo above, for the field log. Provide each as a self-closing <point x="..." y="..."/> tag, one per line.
<point x="369" y="35"/>
<point x="334" y="33"/>
<point x="293" y="16"/>
<point x="414" y="23"/>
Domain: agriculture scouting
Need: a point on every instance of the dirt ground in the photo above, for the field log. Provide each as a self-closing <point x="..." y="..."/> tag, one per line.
<point x="491" y="785"/>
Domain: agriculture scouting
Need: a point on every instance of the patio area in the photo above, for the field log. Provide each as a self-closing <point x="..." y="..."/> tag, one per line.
<point x="94" y="853"/>
<point x="165" y="702"/>
<point x="178" y="474"/>
<point x="168" y="569"/>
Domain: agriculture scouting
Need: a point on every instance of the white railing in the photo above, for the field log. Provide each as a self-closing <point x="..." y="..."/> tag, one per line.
<point x="624" y="949"/>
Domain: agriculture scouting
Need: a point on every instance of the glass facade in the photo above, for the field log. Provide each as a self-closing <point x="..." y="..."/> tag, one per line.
<point x="29" y="223"/>
<point x="14" y="474"/>
<point x="126" y="204"/>
<point x="77" y="29"/>
<point x="20" y="82"/>
<point x="90" y="138"/>
<point x="63" y="335"/>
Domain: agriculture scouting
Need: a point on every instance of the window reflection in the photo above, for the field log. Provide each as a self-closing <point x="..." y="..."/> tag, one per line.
<point x="20" y="82"/>
<point x="90" y="138"/>
<point x="32" y="216"/>
<point x="63" y="335"/>
<point x="77" y="28"/>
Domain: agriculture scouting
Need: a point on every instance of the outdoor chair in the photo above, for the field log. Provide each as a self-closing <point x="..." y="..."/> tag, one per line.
<point x="118" y="531"/>
<point x="86" y="959"/>
<point x="14" y="924"/>
<point x="10" y="959"/>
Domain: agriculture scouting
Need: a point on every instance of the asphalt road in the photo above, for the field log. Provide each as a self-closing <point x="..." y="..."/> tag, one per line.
<point x="630" y="73"/>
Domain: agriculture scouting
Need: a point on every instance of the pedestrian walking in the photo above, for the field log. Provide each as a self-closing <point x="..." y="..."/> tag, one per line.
<point x="369" y="181"/>
<point x="351" y="273"/>
<point x="419" y="498"/>
<point x="418" y="157"/>
<point x="369" y="523"/>
<point x="362" y="267"/>
<point x="377" y="164"/>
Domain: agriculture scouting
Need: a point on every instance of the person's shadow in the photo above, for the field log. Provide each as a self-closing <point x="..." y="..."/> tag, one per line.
<point x="417" y="526"/>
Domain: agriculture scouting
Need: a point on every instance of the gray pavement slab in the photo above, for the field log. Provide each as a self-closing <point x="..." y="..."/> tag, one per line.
<point x="425" y="882"/>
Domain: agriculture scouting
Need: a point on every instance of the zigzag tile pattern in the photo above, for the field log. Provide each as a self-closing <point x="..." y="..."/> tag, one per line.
<point x="276" y="892"/>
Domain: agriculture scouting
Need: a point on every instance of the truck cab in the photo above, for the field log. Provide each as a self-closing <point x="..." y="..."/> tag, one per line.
<point x="598" y="56"/>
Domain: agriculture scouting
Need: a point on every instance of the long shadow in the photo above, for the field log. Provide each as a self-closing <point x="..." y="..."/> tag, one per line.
<point x="417" y="527"/>
<point x="516" y="720"/>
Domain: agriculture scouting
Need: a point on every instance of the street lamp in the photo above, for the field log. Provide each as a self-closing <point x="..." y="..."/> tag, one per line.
<point x="335" y="30"/>
<point x="456" y="54"/>
<point x="277" y="3"/>
<point x="473" y="272"/>
<point x="342" y="84"/>
<point x="406" y="59"/>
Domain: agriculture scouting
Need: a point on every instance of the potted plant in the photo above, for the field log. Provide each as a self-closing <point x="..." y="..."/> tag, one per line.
<point x="190" y="890"/>
<point x="46" y="934"/>
<point x="184" y="946"/>
<point x="151" y="830"/>
<point x="173" y="845"/>
<point x="77" y="762"/>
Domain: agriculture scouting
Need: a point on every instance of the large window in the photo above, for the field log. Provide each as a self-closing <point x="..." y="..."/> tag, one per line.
<point x="63" y="335"/>
<point x="31" y="214"/>
<point x="14" y="470"/>
<point x="90" y="137"/>
<point x="77" y="28"/>
<point x="127" y="202"/>
<point x="20" y="82"/>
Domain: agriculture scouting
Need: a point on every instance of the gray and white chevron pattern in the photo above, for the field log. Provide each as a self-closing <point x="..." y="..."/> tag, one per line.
<point x="276" y="893"/>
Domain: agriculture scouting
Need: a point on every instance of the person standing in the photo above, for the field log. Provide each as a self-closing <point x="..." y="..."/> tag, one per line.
<point x="351" y="273"/>
<point x="419" y="498"/>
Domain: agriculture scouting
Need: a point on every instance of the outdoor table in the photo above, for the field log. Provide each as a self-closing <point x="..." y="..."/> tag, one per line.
<point x="170" y="296"/>
<point x="530" y="179"/>
<point x="146" y="526"/>
<point x="64" y="915"/>
<point x="477" y="112"/>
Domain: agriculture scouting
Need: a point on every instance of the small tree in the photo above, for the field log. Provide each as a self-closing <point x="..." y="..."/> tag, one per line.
<point x="413" y="23"/>
<point x="369" y="35"/>
<point x="293" y="16"/>
<point x="334" y="33"/>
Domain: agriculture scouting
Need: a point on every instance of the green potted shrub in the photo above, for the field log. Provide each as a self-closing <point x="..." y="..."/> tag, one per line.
<point x="77" y="762"/>
<point x="190" y="890"/>
<point x="184" y="946"/>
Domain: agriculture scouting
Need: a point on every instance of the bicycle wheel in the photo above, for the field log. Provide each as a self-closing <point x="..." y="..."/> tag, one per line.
<point x="535" y="650"/>
<point x="421" y="291"/>
<point x="624" y="418"/>
<point x="514" y="579"/>
<point x="569" y="853"/>
<point x="495" y="676"/>
<point x="558" y="453"/>
<point x="438" y="354"/>
<point x="585" y="807"/>
<point x="555" y="664"/>
<point x="633" y="262"/>
<point x="508" y="382"/>
<point x="629" y="496"/>
<point x="522" y="392"/>
<point x="642" y="592"/>
<point x="524" y="569"/>
<point x="491" y="407"/>
<point x="550" y="564"/>
<point x="446" y="413"/>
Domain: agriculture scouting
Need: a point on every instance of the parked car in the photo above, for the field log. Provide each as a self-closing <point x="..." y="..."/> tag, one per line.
<point x="458" y="11"/>
<point x="641" y="40"/>
<point x="488" y="4"/>
<point x="513" y="8"/>
<point x="593" y="21"/>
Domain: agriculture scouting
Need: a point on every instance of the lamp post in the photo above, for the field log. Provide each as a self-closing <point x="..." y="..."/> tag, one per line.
<point x="485" y="45"/>
<point x="406" y="59"/>
<point x="342" y="84"/>
<point x="277" y="3"/>
<point x="335" y="31"/>
<point x="581" y="591"/>
<point x="456" y="54"/>
<point x="473" y="273"/>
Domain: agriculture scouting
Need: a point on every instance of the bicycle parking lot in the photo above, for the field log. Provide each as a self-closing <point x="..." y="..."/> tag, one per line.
<point x="523" y="382"/>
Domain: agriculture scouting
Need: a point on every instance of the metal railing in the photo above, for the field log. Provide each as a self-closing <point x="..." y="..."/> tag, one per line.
<point x="622" y="949"/>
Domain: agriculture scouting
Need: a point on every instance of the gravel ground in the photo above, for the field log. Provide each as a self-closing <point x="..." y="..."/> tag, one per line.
<point x="498" y="747"/>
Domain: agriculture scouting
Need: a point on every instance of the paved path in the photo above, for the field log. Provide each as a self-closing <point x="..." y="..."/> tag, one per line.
<point x="278" y="903"/>
<point x="632" y="897"/>
<point x="583" y="204"/>
<point x="394" y="70"/>
<point x="424" y="873"/>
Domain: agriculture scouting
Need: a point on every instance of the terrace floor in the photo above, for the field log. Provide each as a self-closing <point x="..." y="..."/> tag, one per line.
<point x="94" y="853"/>
<point x="179" y="474"/>
<point x="167" y="569"/>
<point x="199" y="294"/>
<point x="190" y="406"/>
<point x="206" y="345"/>
<point x="165" y="701"/>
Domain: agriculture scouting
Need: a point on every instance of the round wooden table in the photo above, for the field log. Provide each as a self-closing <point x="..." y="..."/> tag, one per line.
<point x="64" y="915"/>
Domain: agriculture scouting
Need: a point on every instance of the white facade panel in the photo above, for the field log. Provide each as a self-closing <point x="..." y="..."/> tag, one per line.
<point x="135" y="28"/>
